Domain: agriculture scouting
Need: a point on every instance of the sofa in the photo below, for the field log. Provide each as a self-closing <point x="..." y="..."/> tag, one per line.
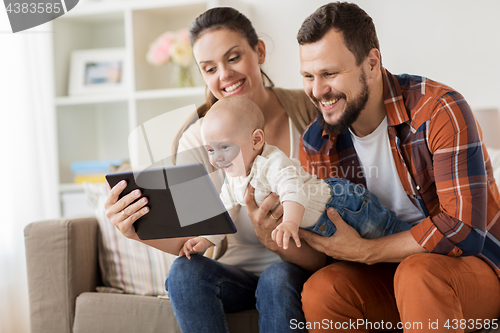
<point x="64" y="274"/>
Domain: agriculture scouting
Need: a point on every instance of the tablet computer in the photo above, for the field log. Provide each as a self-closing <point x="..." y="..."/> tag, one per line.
<point x="182" y="200"/>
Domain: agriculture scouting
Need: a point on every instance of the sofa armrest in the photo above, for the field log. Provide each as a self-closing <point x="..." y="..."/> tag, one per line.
<point x="62" y="263"/>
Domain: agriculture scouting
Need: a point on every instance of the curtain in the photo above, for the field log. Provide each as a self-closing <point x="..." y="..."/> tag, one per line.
<point x="28" y="159"/>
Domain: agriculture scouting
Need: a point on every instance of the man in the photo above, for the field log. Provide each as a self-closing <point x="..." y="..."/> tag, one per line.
<point x="415" y="144"/>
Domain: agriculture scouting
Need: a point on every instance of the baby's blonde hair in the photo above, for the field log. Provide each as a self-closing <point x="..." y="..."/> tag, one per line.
<point x="239" y="109"/>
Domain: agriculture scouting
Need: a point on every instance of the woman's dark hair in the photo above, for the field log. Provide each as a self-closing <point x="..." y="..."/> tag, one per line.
<point x="223" y="18"/>
<point x="355" y="24"/>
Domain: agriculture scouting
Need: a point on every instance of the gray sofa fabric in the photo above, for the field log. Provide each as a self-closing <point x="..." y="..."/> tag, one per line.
<point x="99" y="312"/>
<point x="61" y="258"/>
<point x="63" y="273"/>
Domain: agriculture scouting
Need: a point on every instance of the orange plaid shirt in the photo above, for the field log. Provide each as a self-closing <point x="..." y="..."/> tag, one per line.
<point x="441" y="161"/>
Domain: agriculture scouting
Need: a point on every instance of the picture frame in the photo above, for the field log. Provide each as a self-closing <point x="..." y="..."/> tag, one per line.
<point x="97" y="71"/>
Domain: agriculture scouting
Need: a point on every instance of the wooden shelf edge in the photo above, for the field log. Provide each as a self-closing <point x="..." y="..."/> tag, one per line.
<point x="138" y="95"/>
<point x="90" y="99"/>
<point x="169" y="93"/>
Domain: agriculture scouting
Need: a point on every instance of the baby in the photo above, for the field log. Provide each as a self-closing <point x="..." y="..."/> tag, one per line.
<point x="233" y="135"/>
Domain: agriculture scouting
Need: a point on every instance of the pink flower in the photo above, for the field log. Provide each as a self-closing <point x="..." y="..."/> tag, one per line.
<point x="159" y="51"/>
<point x="171" y="46"/>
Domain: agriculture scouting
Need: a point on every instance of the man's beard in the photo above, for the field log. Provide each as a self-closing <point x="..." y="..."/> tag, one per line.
<point x="351" y="111"/>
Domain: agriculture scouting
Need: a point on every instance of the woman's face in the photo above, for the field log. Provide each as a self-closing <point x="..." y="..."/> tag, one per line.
<point x="228" y="64"/>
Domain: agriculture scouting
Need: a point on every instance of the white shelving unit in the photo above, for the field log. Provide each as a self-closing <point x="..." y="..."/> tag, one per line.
<point x="97" y="126"/>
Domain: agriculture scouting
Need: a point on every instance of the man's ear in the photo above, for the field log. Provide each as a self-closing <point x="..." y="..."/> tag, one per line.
<point x="258" y="139"/>
<point x="374" y="62"/>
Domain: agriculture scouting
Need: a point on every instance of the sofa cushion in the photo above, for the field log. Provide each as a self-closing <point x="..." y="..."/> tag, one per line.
<point x="109" y="313"/>
<point x="126" y="265"/>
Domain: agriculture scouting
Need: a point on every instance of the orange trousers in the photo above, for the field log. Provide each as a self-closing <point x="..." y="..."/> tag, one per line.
<point x="424" y="293"/>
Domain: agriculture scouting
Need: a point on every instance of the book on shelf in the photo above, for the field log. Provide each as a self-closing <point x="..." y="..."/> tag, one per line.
<point x="92" y="171"/>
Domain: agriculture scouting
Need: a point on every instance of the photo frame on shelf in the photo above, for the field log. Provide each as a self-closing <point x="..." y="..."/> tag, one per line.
<point x="97" y="71"/>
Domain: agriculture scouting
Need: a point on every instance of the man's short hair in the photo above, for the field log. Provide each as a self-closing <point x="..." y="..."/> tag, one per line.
<point x="355" y="24"/>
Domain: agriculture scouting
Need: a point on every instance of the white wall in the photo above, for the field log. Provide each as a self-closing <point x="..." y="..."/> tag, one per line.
<point x="456" y="42"/>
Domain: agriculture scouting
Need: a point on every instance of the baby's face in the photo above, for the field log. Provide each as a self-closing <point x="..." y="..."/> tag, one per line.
<point x="229" y="149"/>
<point x="226" y="156"/>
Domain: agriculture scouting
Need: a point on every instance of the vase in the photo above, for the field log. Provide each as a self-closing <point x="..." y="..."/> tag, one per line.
<point x="183" y="77"/>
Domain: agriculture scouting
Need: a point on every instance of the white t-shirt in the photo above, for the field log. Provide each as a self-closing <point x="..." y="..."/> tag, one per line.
<point x="375" y="157"/>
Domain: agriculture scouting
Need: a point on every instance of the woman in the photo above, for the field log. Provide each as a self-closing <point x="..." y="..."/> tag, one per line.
<point x="254" y="271"/>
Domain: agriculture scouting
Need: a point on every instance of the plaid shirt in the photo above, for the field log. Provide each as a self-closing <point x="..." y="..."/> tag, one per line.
<point x="441" y="161"/>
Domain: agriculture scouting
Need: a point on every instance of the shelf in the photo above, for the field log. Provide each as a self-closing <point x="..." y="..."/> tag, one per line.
<point x="122" y="97"/>
<point x="101" y="125"/>
<point x="91" y="99"/>
<point x="91" y="132"/>
<point x="101" y="31"/>
<point x="170" y="93"/>
<point x="147" y="25"/>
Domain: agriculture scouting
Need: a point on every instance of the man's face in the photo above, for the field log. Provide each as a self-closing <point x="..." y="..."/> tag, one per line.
<point x="333" y="81"/>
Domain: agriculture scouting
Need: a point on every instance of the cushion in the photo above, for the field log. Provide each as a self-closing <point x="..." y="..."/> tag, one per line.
<point x="96" y="312"/>
<point x="127" y="266"/>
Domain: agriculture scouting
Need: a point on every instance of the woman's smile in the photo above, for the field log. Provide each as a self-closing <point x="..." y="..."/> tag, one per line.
<point x="234" y="88"/>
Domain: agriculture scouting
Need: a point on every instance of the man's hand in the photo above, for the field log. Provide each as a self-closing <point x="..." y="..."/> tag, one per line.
<point x="344" y="244"/>
<point x="347" y="244"/>
<point x="261" y="218"/>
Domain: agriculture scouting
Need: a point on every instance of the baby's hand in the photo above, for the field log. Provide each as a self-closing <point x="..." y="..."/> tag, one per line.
<point x="282" y="233"/>
<point x="195" y="245"/>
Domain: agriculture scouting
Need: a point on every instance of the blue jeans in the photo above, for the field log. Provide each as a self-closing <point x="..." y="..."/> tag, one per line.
<point x="202" y="290"/>
<point x="360" y="209"/>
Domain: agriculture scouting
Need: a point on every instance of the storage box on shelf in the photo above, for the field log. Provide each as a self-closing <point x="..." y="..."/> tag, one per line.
<point x="92" y="171"/>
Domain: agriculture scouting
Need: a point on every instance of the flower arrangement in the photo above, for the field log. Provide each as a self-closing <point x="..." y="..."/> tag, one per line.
<point x="175" y="47"/>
